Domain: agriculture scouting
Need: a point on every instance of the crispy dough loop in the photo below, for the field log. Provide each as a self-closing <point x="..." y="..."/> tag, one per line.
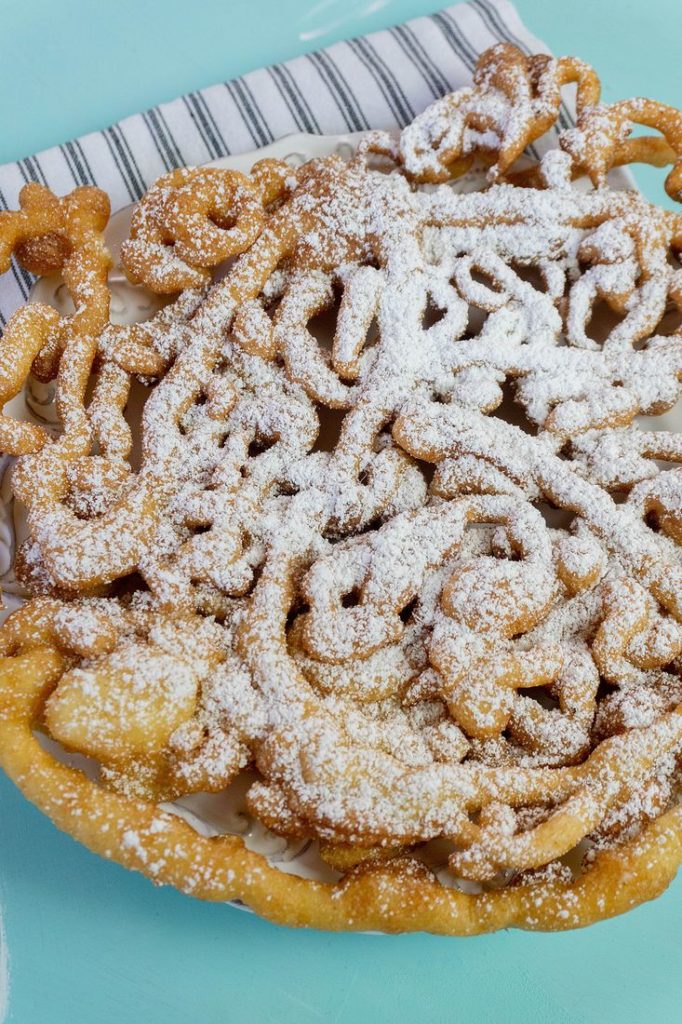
<point x="64" y="236"/>
<point x="193" y="219"/>
<point x="515" y="98"/>
<point x="599" y="140"/>
<point x="25" y="335"/>
<point x="35" y="231"/>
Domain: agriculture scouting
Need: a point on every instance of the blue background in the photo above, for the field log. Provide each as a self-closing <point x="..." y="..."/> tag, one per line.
<point x="92" y="944"/>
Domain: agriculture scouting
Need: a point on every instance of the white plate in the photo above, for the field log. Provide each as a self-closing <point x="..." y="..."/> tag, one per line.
<point x="209" y="814"/>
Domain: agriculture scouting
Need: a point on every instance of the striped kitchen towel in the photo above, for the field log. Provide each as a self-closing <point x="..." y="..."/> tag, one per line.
<point x="378" y="81"/>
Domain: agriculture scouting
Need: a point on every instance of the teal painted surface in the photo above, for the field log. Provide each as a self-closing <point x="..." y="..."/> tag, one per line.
<point x="92" y="944"/>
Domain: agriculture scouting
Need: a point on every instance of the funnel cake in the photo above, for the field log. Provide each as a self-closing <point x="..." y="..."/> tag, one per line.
<point x="418" y="591"/>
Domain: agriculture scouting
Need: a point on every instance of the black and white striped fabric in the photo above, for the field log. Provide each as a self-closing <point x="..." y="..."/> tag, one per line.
<point x="379" y="81"/>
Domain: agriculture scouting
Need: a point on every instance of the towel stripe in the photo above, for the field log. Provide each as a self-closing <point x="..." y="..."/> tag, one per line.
<point x="340" y="90"/>
<point x="294" y="99"/>
<point x="204" y="127"/>
<point x="414" y="51"/>
<point x="385" y="79"/>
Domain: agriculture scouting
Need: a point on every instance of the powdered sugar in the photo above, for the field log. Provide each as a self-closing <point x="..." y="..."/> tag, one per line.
<point x="370" y="641"/>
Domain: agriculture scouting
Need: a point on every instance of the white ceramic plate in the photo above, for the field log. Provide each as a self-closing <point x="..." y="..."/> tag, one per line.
<point x="209" y="814"/>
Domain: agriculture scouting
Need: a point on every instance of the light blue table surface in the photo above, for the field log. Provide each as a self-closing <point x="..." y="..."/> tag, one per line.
<point x="92" y="944"/>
